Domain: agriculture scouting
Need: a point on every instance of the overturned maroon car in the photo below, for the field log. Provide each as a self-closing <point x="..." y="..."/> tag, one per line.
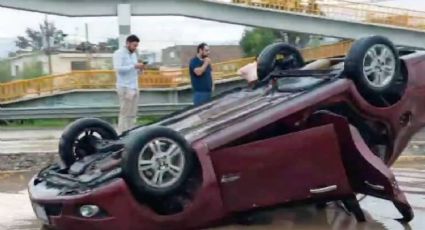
<point x="306" y="133"/>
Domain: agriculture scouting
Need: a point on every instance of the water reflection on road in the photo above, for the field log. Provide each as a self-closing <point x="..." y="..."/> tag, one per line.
<point x="16" y="212"/>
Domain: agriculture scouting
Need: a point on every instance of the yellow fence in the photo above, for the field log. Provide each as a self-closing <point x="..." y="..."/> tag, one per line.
<point x="105" y="79"/>
<point x="346" y="10"/>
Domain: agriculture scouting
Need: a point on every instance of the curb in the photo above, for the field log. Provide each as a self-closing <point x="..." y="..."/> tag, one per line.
<point x="17" y="171"/>
<point x="28" y="153"/>
<point x="410" y="158"/>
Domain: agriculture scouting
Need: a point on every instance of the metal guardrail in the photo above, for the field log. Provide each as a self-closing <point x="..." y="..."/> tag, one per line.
<point x="345" y="10"/>
<point x="78" y="112"/>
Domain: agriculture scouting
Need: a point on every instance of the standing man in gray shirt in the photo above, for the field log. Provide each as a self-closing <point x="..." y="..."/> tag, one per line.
<point x="127" y="71"/>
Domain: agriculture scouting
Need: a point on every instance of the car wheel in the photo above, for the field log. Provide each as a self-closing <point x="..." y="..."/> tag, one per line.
<point x="157" y="161"/>
<point x="80" y="137"/>
<point x="373" y="64"/>
<point x="278" y="56"/>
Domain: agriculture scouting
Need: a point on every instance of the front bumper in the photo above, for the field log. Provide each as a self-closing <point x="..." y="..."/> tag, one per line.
<point x="114" y="199"/>
<point x="121" y="211"/>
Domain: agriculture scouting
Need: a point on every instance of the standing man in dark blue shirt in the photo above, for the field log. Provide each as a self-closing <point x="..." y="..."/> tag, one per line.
<point x="201" y="76"/>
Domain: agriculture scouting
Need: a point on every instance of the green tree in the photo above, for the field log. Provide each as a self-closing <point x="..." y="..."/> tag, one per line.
<point x="34" y="37"/>
<point x="32" y="70"/>
<point x="112" y="43"/>
<point x="255" y="40"/>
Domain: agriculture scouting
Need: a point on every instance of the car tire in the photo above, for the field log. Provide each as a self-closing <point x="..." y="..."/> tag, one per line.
<point x="73" y="146"/>
<point x="156" y="161"/>
<point x="373" y="64"/>
<point x="267" y="58"/>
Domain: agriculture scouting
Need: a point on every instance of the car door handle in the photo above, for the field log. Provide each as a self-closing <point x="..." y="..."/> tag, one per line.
<point x="374" y="186"/>
<point x="324" y="189"/>
<point x="230" y="178"/>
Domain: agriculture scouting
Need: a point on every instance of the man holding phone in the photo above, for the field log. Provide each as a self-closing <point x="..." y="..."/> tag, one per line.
<point x="201" y="75"/>
<point x="127" y="71"/>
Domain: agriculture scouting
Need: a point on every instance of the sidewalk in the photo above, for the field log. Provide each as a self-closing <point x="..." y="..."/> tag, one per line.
<point x="28" y="149"/>
<point x="29" y="141"/>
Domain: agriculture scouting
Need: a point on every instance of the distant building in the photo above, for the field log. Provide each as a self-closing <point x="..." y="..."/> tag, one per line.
<point x="62" y="62"/>
<point x="180" y="55"/>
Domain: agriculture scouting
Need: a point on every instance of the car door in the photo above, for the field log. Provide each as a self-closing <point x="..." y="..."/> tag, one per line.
<point x="366" y="172"/>
<point x="296" y="166"/>
<point x="369" y="175"/>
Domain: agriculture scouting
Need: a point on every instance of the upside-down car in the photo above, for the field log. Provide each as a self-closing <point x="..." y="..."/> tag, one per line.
<point x="312" y="132"/>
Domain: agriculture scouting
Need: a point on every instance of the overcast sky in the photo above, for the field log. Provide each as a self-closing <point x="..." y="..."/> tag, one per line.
<point x="155" y="32"/>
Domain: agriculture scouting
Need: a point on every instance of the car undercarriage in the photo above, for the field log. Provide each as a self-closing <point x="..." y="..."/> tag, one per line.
<point x="307" y="132"/>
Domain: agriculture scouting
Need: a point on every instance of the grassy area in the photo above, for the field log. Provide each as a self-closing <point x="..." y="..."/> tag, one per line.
<point x="61" y="123"/>
<point x="147" y="120"/>
<point x="37" y="123"/>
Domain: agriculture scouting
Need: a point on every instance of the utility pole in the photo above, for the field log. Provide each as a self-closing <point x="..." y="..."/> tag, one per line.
<point x="88" y="47"/>
<point x="46" y="34"/>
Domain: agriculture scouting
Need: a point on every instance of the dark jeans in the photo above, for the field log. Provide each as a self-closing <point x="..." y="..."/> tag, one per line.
<point x="200" y="98"/>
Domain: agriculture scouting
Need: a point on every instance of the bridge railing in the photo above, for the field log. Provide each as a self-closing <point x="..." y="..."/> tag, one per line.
<point x="345" y="10"/>
<point x="326" y="51"/>
<point x="105" y="79"/>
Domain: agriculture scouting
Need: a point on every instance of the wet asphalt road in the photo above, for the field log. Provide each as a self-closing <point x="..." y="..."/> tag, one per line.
<point x="16" y="212"/>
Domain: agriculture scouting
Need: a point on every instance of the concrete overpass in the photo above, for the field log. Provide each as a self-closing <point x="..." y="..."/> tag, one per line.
<point x="223" y="12"/>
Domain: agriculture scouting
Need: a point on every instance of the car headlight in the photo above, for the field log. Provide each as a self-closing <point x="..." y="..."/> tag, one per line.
<point x="89" y="210"/>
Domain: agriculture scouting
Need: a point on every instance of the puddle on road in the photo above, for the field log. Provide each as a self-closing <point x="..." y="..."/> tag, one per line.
<point x="380" y="215"/>
<point x="14" y="182"/>
<point x="16" y="212"/>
